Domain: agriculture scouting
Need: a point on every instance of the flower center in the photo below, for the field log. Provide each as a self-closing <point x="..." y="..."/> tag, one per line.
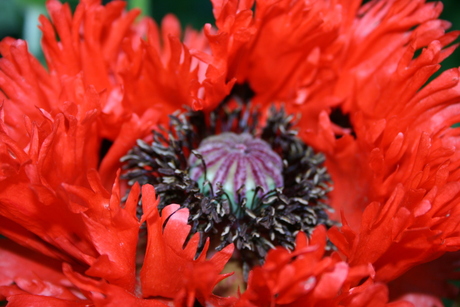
<point x="244" y="166"/>
<point x="252" y="184"/>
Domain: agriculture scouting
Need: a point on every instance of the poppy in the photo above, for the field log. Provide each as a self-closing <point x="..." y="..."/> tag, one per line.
<point x="294" y="154"/>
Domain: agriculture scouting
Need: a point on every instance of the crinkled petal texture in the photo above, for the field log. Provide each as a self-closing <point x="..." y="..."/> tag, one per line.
<point x="305" y="277"/>
<point x="407" y="212"/>
<point x="356" y="74"/>
<point x="138" y="71"/>
<point x="53" y="199"/>
<point x="53" y="203"/>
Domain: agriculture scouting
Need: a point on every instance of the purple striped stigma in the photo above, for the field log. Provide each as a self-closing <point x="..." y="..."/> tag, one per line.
<point x="244" y="166"/>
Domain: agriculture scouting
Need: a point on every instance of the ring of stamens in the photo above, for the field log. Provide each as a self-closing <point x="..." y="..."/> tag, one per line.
<point x="296" y="201"/>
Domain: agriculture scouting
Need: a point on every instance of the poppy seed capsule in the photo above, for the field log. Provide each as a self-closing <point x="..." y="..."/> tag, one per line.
<point x="243" y="165"/>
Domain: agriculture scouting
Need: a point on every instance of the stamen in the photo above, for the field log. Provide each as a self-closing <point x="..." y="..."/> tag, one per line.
<point x="251" y="185"/>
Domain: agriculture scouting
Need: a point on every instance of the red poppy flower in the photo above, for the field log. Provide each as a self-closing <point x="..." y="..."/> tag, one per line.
<point x="374" y="142"/>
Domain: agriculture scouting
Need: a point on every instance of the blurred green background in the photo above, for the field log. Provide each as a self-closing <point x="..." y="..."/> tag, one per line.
<point x="18" y="18"/>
